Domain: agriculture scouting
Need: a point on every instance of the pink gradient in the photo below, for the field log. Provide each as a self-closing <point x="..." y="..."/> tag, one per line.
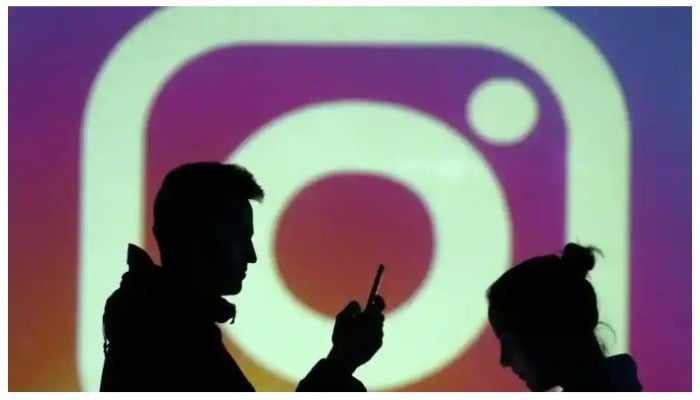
<point x="337" y="231"/>
<point x="214" y="103"/>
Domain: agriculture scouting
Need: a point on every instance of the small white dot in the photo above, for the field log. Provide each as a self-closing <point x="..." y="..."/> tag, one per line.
<point x="502" y="111"/>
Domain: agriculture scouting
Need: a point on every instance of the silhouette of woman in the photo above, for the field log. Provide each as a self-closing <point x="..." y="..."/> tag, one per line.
<point x="544" y="312"/>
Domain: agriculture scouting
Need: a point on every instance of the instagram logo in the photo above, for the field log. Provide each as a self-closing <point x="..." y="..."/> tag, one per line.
<point x="447" y="144"/>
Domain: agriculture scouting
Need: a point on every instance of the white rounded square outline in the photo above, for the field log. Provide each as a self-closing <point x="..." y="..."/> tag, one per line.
<point x="121" y="97"/>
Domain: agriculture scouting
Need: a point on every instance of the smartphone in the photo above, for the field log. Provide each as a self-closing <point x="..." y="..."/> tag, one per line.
<point x="375" y="285"/>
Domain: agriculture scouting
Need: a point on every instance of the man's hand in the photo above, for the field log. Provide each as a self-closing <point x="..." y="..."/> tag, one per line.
<point x="357" y="334"/>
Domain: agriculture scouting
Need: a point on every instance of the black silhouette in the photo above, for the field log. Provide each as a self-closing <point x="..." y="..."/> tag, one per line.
<point x="160" y="325"/>
<point x="544" y="312"/>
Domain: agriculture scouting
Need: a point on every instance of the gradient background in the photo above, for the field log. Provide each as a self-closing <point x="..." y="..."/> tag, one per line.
<point x="205" y="111"/>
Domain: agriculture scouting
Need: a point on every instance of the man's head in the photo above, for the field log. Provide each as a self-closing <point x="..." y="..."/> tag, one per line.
<point x="203" y="223"/>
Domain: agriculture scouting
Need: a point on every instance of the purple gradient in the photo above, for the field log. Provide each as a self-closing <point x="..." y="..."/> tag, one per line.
<point x="650" y="50"/>
<point x="54" y="54"/>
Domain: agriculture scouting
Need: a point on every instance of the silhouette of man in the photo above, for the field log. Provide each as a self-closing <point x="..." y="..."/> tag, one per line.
<point x="160" y="325"/>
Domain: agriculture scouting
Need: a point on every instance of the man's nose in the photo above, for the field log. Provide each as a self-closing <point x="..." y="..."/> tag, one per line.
<point x="252" y="257"/>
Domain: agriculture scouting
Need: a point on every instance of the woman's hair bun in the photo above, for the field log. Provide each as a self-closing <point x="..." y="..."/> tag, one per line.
<point x="580" y="258"/>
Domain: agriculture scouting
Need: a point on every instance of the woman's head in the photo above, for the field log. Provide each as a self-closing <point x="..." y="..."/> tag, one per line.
<point x="544" y="312"/>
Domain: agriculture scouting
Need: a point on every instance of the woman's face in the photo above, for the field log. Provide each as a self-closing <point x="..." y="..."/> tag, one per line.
<point x="530" y="359"/>
<point x="518" y="359"/>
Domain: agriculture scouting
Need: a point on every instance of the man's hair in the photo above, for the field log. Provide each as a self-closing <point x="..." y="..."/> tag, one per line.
<point x="193" y="195"/>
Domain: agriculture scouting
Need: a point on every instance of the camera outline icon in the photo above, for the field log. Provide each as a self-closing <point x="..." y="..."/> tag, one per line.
<point x="113" y="155"/>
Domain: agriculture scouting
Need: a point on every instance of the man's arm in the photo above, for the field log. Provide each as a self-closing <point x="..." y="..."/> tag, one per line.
<point x="357" y="336"/>
<point x="328" y="376"/>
